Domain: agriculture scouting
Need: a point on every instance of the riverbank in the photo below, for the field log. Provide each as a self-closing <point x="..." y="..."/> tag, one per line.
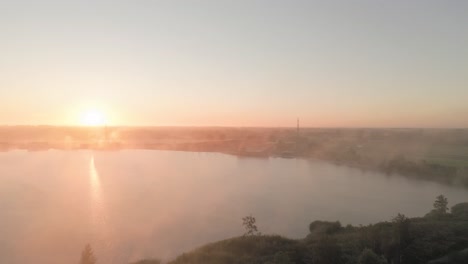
<point x="439" y="155"/>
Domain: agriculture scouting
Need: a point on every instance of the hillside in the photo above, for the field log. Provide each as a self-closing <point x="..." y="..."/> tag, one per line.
<point x="439" y="237"/>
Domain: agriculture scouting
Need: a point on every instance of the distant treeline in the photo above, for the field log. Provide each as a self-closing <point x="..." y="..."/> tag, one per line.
<point x="431" y="154"/>
<point x="427" y="170"/>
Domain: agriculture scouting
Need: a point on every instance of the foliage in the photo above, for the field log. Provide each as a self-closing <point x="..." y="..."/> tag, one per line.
<point x="460" y="211"/>
<point x="87" y="256"/>
<point x="280" y="258"/>
<point x="250" y="227"/>
<point x="325" y="227"/>
<point x="440" y="204"/>
<point x="148" y="261"/>
<point x="245" y="249"/>
<point x="401" y="230"/>
<point x="403" y="240"/>
<point x="459" y="257"/>
<point x="369" y="257"/>
<point x="440" y="208"/>
<point x="327" y="251"/>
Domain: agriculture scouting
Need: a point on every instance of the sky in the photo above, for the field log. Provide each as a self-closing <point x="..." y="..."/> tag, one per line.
<point x="349" y="63"/>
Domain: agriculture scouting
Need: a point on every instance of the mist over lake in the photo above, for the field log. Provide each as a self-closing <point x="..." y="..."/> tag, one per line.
<point x="136" y="204"/>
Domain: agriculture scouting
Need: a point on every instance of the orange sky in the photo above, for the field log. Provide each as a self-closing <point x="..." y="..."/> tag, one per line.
<point x="236" y="63"/>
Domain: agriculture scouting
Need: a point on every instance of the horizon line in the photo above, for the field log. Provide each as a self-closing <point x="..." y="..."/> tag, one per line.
<point x="227" y="126"/>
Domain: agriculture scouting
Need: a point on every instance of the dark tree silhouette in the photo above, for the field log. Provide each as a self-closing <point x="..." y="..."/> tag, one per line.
<point x="369" y="257"/>
<point x="281" y="258"/>
<point x="327" y="251"/>
<point x="460" y="211"/>
<point x="148" y="261"/>
<point x="250" y="227"/>
<point x="325" y="227"/>
<point x="440" y="204"/>
<point x="87" y="256"/>
<point x="401" y="235"/>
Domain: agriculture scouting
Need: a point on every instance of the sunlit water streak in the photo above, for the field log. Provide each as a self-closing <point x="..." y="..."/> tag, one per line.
<point x="101" y="241"/>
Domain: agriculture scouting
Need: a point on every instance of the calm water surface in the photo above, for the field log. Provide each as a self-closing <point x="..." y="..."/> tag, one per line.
<point x="140" y="204"/>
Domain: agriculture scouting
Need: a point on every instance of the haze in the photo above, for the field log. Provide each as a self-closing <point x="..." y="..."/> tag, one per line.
<point x="235" y="63"/>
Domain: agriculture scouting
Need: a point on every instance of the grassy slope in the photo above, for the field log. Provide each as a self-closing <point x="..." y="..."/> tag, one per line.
<point x="248" y="249"/>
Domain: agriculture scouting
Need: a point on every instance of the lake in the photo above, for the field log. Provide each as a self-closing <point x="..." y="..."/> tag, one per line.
<point x="136" y="204"/>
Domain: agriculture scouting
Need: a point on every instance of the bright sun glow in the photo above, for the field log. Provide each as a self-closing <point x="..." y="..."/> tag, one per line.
<point x="93" y="118"/>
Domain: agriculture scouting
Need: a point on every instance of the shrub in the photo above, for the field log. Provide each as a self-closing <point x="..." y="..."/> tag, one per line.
<point x="369" y="257"/>
<point x="460" y="211"/>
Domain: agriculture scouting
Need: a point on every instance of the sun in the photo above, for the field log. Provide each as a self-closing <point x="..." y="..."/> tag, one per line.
<point x="93" y="118"/>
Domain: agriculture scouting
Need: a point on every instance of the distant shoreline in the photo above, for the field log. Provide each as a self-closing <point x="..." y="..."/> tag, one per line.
<point x="439" y="155"/>
<point x="246" y="155"/>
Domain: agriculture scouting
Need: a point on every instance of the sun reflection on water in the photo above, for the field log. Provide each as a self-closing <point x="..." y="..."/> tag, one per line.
<point x="101" y="240"/>
<point x="95" y="187"/>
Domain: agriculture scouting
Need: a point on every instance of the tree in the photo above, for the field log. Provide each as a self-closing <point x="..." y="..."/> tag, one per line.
<point x="148" y="261"/>
<point x="325" y="227"/>
<point x="327" y="251"/>
<point x="401" y="234"/>
<point x="440" y="204"/>
<point x="368" y="256"/>
<point x="460" y="211"/>
<point x="282" y="258"/>
<point x="250" y="227"/>
<point x="87" y="256"/>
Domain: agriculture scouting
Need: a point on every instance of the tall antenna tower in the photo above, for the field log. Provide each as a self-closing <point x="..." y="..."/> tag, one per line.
<point x="298" y="126"/>
<point x="297" y="138"/>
